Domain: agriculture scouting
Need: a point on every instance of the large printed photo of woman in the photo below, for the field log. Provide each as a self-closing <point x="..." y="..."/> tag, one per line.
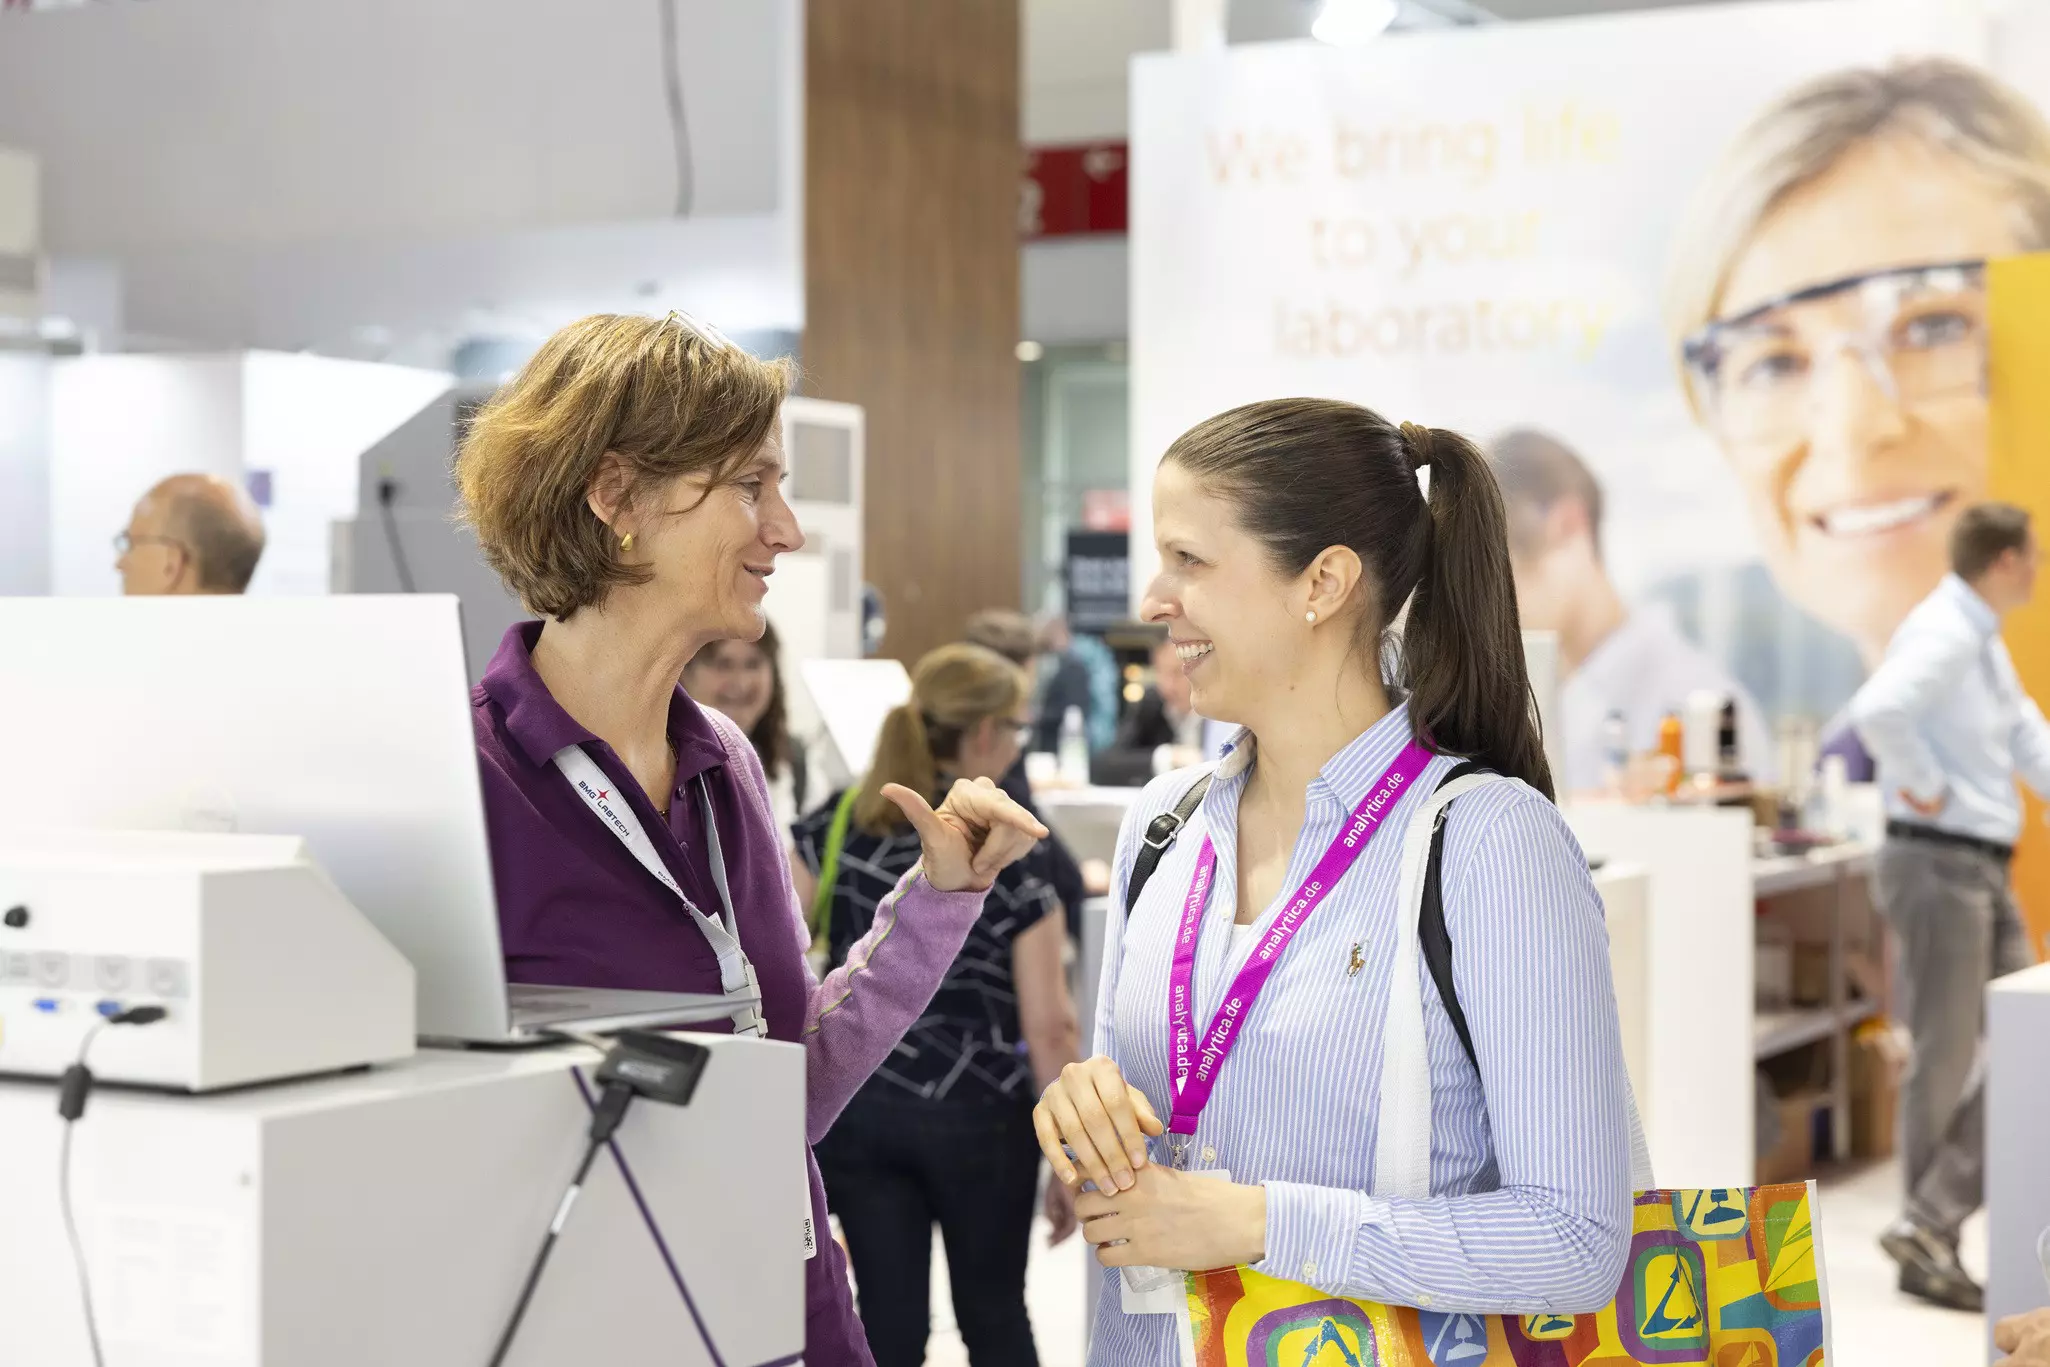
<point x="1827" y="305"/>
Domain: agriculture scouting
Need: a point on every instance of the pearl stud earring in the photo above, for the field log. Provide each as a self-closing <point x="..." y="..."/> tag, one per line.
<point x="1310" y="617"/>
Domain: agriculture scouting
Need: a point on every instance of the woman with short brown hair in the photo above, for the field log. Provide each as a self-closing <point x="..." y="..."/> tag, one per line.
<point x="627" y="484"/>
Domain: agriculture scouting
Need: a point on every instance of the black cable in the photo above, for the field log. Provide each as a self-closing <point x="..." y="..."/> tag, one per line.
<point x="679" y="126"/>
<point x="73" y="1088"/>
<point x="387" y="493"/>
<point x="605" y="1118"/>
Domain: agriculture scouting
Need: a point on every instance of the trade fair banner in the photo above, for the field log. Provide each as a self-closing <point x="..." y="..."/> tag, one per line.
<point x="1710" y="283"/>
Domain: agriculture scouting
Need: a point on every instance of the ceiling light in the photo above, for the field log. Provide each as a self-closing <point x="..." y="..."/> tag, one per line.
<point x="1028" y="352"/>
<point x="1347" y="23"/>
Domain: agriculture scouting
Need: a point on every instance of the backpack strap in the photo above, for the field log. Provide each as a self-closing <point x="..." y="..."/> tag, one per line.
<point x="1433" y="938"/>
<point x="1161" y="833"/>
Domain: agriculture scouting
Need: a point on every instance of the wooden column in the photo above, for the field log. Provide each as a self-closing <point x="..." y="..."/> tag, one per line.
<point x="911" y="290"/>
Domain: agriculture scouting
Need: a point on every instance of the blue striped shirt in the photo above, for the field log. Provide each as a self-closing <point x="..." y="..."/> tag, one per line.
<point x="1530" y="1160"/>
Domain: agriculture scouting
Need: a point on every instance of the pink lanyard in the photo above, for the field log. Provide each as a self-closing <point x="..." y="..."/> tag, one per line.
<point x="1195" y="1072"/>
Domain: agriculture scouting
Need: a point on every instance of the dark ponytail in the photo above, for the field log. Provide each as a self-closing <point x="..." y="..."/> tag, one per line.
<point x="1310" y="474"/>
<point x="1462" y="645"/>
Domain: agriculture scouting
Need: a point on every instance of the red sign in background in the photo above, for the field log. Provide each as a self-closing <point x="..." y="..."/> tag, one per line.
<point x="1072" y="190"/>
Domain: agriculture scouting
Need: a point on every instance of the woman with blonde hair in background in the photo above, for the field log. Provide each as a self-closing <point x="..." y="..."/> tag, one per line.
<point x="627" y="485"/>
<point x="943" y="1132"/>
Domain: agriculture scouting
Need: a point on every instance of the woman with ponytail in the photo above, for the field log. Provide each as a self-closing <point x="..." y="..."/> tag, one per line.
<point x="942" y="1133"/>
<point x="1246" y="991"/>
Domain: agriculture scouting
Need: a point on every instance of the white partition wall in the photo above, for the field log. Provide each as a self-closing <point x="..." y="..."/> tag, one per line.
<point x="20" y="236"/>
<point x="815" y="597"/>
<point x="1695" y="1058"/>
<point x="1541" y="663"/>
<point x="24" y="473"/>
<point x="2017" y="1138"/>
<point x="24" y="387"/>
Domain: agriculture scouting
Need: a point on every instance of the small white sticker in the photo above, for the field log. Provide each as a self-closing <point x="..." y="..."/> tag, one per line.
<point x="811" y="1242"/>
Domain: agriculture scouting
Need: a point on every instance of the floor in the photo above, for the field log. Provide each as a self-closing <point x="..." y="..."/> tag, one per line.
<point x="1872" y="1325"/>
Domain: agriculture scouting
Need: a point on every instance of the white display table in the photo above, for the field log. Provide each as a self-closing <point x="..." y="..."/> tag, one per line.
<point x="388" y="1218"/>
<point x="1703" y="1037"/>
<point x="2017" y="1143"/>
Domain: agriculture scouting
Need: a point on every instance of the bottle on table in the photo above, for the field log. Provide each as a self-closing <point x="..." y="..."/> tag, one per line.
<point x="1672" y="739"/>
<point x="1074" y="751"/>
<point x="1615" y="751"/>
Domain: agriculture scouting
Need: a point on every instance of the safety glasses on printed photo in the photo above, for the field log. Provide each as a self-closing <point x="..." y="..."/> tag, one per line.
<point x="1919" y="332"/>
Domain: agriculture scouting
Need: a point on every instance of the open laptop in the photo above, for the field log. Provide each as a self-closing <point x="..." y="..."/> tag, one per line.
<point x="343" y="720"/>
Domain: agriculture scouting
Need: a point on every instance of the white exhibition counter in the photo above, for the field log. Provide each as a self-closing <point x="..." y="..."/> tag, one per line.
<point x="2017" y="1145"/>
<point x="1704" y="1036"/>
<point x="389" y="1217"/>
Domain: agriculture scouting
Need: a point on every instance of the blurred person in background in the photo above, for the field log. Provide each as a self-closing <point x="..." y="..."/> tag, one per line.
<point x="1075" y="672"/>
<point x="1612" y="657"/>
<point x="744" y="679"/>
<point x="1947" y="720"/>
<point x="1828" y="301"/>
<point x="190" y="534"/>
<point x="1163" y="724"/>
<point x="1010" y="633"/>
<point x="943" y="1131"/>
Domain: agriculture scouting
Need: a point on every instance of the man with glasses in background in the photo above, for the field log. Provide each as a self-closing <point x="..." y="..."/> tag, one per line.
<point x="1947" y="720"/>
<point x="190" y="534"/>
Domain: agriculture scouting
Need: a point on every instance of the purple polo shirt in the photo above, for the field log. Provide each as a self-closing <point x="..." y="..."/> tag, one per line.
<point x="576" y="909"/>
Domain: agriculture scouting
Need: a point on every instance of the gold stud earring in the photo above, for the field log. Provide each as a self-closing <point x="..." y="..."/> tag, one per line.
<point x="1311" y="617"/>
<point x="626" y="543"/>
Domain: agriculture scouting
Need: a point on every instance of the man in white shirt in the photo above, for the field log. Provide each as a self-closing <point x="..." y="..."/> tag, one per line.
<point x="1612" y="658"/>
<point x="1950" y="728"/>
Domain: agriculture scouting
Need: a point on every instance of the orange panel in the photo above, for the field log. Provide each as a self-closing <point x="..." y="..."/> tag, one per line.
<point x="2019" y="367"/>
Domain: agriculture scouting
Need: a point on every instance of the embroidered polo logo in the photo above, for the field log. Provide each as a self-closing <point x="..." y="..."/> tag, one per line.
<point x="1355" y="964"/>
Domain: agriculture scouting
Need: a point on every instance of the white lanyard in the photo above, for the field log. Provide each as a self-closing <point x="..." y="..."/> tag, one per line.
<point x="736" y="973"/>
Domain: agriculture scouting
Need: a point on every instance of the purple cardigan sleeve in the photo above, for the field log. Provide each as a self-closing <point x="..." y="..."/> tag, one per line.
<point x="858" y="1014"/>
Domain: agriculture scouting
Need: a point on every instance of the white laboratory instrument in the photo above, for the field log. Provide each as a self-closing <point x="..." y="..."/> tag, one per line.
<point x="263" y="967"/>
<point x="344" y="720"/>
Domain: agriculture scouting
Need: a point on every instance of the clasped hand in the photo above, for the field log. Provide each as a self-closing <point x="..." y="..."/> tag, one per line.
<point x="972" y="836"/>
<point x="1141" y="1214"/>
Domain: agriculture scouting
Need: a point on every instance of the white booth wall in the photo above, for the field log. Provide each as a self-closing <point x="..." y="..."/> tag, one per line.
<point x="24" y="473"/>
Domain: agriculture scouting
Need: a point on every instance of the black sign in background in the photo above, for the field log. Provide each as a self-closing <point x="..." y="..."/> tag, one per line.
<point x="1098" y="580"/>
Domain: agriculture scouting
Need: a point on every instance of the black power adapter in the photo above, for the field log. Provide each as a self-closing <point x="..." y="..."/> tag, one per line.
<point x="659" y="1067"/>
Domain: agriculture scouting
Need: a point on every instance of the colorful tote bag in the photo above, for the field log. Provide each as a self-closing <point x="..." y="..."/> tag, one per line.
<point x="1728" y="1277"/>
<point x="1723" y="1278"/>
